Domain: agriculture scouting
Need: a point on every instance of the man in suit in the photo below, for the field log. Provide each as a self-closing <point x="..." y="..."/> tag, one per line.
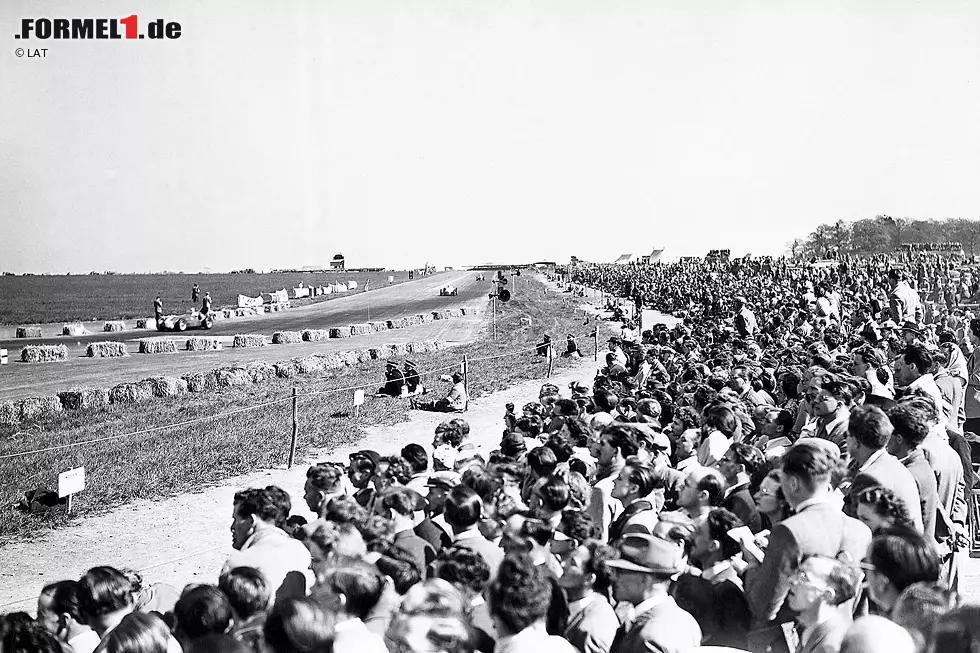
<point x="463" y="512"/>
<point x="641" y="576"/>
<point x="868" y="433"/>
<point x="741" y="383"/>
<point x="739" y="463"/>
<point x="910" y="430"/>
<point x="832" y="407"/>
<point x="819" y="588"/>
<point x="818" y="528"/>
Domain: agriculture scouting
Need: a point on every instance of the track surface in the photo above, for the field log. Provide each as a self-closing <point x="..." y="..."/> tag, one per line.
<point x="19" y="380"/>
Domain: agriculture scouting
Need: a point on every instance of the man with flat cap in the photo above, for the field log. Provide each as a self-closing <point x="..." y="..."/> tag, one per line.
<point x="412" y="379"/>
<point x="394" y="380"/>
<point x="642" y="576"/>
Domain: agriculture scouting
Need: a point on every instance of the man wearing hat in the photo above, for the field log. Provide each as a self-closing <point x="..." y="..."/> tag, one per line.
<point x="412" y="379"/>
<point x="363" y="465"/>
<point x="642" y="576"/>
<point x="394" y="380"/>
<point x="440" y="484"/>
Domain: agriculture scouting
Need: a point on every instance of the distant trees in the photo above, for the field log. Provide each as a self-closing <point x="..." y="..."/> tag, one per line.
<point x="883" y="234"/>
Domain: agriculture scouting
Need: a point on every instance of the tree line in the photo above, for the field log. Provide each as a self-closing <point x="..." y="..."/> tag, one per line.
<point x="884" y="234"/>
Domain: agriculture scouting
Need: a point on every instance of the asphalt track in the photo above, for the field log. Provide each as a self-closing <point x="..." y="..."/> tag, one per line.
<point x="19" y="380"/>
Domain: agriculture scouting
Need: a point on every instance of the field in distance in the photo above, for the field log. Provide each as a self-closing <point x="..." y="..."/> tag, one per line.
<point x="44" y="299"/>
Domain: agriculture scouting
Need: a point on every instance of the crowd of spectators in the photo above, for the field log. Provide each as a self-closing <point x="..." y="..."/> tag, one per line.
<point x="785" y="469"/>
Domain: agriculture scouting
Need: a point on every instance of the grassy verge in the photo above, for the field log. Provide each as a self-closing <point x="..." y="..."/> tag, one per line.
<point x="174" y="460"/>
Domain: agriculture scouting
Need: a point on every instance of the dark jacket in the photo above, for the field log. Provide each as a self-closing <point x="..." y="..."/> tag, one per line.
<point x="743" y="505"/>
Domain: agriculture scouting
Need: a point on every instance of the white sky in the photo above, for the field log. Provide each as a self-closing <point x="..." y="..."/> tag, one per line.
<point x="274" y="134"/>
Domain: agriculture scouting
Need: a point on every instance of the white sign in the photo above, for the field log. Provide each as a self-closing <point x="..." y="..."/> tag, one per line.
<point x="358" y="397"/>
<point x="3" y="357"/>
<point x="71" y="482"/>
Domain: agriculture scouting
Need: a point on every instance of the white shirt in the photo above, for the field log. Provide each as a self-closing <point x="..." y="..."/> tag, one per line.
<point x="84" y="643"/>
<point x="533" y="639"/>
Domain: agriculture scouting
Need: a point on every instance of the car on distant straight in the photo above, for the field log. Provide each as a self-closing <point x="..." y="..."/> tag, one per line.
<point x="189" y="320"/>
<point x="447" y="291"/>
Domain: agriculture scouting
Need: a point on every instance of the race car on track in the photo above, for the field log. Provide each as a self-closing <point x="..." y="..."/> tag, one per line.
<point x="447" y="291"/>
<point x="190" y="320"/>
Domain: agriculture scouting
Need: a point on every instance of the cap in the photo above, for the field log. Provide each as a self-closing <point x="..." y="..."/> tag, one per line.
<point x="911" y="326"/>
<point x="410" y="363"/>
<point x="369" y="454"/>
<point x="512" y="444"/>
<point x="647" y="554"/>
<point x="445" y="479"/>
<point x="889" y="324"/>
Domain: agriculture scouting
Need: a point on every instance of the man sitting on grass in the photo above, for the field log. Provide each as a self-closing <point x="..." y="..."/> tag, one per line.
<point x="454" y="402"/>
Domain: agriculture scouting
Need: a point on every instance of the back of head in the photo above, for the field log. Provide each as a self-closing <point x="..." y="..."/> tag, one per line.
<point x="869" y="425"/>
<point x="464" y="568"/>
<point x="201" y="610"/>
<point x="958" y="631"/>
<point x="904" y="557"/>
<point x="809" y="462"/>
<point x="920" y="607"/>
<point x="139" y="632"/>
<point x="463" y="507"/>
<point x="21" y="634"/>
<point x="299" y="626"/>
<point x="103" y="590"/>
<point x="416" y="456"/>
<point x="359" y="583"/>
<point x="520" y="595"/>
<point x="246" y="590"/>
<point x="63" y="596"/>
<point x="874" y="634"/>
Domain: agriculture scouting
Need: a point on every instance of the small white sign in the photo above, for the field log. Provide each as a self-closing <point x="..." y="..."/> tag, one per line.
<point x="358" y="397"/>
<point x="71" y="482"/>
<point x="3" y="357"/>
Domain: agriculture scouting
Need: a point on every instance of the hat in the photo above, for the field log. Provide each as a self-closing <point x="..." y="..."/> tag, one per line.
<point x="911" y="326"/>
<point x="447" y="480"/>
<point x="512" y="444"/>
<point x="369" y="454"/>
<point x="409" y="363"/>
<point x="647" y="554"/>
<point x="577" y="387"/>
<point x="889" y="324"/>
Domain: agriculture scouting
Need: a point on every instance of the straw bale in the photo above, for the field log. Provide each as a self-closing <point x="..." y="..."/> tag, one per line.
<point x="380" y="353"/>
<point x="76" y="399"/>
<point x="399" y="349"/>
<point x="28" y="332"/>
<point x="340" y="332"/>
<point x="286" y="337"/>
<point x="438" y="345"/>
<point x="311" y="365"/>
<point x="201" y="343"/>
<point x="74" y="330"/>
<point x="455" y="312"/>
<point x="114" y="325"/>
<point x="166" y="386"/>
<point x="364" y="356"/>
<point x="158" y="346"/>
<point x="131" y="393"/>
<point x="142" y="323"/>
<point x="399" y="323"/>
<point x="106" y="350"/>
<point x="227" y="377"/>
<point x="316" y="335"/>
<point x="348" y="358"/>
<point x="260" y="371"/>
<point x="201" y="381"/>
<point x="43" y="353"/>
<point x="9" y="413"/>
<point x="427" y="317"/>
<point x="360" y="329"/>
<point x="286" y="369"/>
<point x="418" y="347"/>
<point x="250" y="340"/>
<point x="331" y="361"/>
<point x="33" y="408"/>
<point x="378" y="326"/>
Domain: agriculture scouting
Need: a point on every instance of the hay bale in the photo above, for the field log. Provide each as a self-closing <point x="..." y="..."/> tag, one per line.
<point x="286" y="337"/>
<point x="201" y="381"/>
<point x="78" y="399"/>
<point x="455" y="312"/>
<point x="381" y="353"/>
<point x="311" y="365"/>
<point x="227" y="377"/>
<point x="9" y="414"/>
<point x="260" y="371"/>
<point x="74" y="330"/>
<point x="286" y="369"/>
<point x="158" y="346"/>
<point x="43" y="353"/>
<point x="340" y="332"/>
<point x="364" y="356"/>
<point x="399" y="349"/>
<point x="34" y="408"/>
<point x="166" y="386"/>
<point x="399" y="323"/>
<point x="331" y="361"/>
<point x="426" y="317"/>
<point x="28" y="332"/>
<point x="378" y="326"/>
<point x="200" y="343"/>
<point x="142" y="323"/>
<point x="414" y="320"/>
<point x="106" y="350"/>
<point x="360" y="329"/>
<point x="131" y="393"/>
<point x="418" y="348"/>
<point x="316" y="335"/>
<point x="114" y="325"/>
<point x="348" y="358"/>
<point x="249" y="340"/>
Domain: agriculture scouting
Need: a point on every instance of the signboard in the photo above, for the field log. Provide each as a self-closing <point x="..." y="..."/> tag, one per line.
<point x="358" y="397"/>
<point x="3" y="357"/>
<point x="71" y="482"/>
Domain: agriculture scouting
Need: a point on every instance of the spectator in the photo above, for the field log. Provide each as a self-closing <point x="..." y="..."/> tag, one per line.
<point x="201" y="610"/>
<point x="587" y="582"/>
<point x="896" y="559"/>
<point x="816" y="594"/>
<point x="301" y="626"/>
<point x="59" y="612"/>
<point x="249" y="596"/>
<point x="738" y="465"/>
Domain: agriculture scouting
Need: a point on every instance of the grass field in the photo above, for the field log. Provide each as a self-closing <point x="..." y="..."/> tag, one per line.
<point x="184" y="458"/>
<point x="43" y="299"/>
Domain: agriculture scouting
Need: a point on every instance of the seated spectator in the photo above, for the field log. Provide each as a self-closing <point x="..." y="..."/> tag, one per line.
<point x="738" y="465"/>
<point x="635" y="483"/>
<point x="896" y="559"/>
<point x="771" y="501"/>
<point x="470" y="575"/>
<point x="201" y="610"/>
<point x="301" y="626"/>
<point x="249" y="595"/>
<point x="59" y="612"/>
<point x="139" y="632"/>
<point x="920" y="607"/>
<point x="463" y="512"/>
<point x="21" y="634"/>
<point x="879" y="508"/>
<point x="350" y="590"/>
<point x="398" y="505"/>
<point x="323" y="482"/>
<point x="432" y="619"/>
<point x="874" y="634"/>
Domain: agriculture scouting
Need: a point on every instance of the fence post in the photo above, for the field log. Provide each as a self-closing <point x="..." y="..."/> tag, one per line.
<point x="595" y="342"/>
<point x="466" y="381"/>
<point x="495" y="318"/>
<point x="551" y="358"/>
<point x="292" y="441"/>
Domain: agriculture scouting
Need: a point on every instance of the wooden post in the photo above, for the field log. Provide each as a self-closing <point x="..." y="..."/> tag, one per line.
<point x="595" y="341"/>
<point x="551" y="358"/>
<point x="466" y="381"/>
<point x="494" y="318"/>
<point x="292" y="442"/>
<point x="68" y="510"/>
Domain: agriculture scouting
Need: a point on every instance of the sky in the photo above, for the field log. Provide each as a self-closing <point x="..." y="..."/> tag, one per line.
<point x="456" y="132"/>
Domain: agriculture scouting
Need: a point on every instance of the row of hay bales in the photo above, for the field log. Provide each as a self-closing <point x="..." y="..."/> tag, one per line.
<point x="351" y="330"/>
<point x="33" y="408"/>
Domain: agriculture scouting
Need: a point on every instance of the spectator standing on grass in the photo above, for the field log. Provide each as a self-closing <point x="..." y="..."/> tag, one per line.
<point x="158" y="308"/>
<point x="195" y="293"/>
<point x="206" y="304"/>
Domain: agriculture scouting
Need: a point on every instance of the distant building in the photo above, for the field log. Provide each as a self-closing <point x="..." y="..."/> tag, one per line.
<point x="338" y="262"/>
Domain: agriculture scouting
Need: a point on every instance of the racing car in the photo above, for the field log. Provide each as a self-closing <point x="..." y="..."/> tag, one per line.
<point x="447" y="291"/>
<point x="189" y="320"/>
